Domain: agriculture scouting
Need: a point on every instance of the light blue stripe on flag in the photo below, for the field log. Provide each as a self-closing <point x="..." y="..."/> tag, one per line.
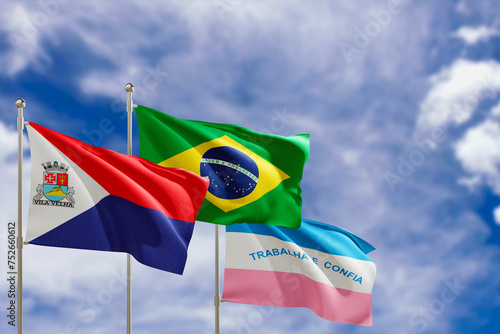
<point x="314" y="235"/>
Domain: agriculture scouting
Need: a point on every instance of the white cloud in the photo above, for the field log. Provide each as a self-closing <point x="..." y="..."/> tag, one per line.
<point x="23" y="27"/>
<point x="495" y="111"/>
<point x="472" y="35"/>
<point x="496" y="215"/>
<point x="479" y="153"/>
<point x="471" y="183"/>
<point x="479" y="149"/>
<point x="457" y="91"/>
<point x="8" y="166"/>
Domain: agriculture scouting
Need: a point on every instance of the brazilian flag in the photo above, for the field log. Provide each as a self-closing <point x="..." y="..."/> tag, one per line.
<point x="254" y="177"/>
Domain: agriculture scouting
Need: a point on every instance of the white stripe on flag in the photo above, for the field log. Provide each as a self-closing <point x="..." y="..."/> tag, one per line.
<point x="261" y="252"/>
<point x="87" y="191"/>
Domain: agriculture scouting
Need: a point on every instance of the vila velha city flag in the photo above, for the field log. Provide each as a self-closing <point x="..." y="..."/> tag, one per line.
<point x="318" y="266"/>
<point x="254" y="177"/>
<point x="88" y="197"/>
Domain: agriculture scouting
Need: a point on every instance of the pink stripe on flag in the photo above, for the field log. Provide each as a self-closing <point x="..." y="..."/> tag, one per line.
<point x="275" y="288"/>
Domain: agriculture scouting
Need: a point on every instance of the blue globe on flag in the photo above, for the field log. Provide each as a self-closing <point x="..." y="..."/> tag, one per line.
<point x="232" y="173"/>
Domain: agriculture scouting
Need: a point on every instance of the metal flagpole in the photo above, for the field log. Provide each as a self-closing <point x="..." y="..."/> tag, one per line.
<point x="129" y="88"/>
<point x="20" y="104"/>
<point x="217" y="296"/>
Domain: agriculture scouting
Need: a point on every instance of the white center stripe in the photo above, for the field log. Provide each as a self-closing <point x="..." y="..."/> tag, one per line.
<point x="230" y="165"/>
<point x="263" y="252"/>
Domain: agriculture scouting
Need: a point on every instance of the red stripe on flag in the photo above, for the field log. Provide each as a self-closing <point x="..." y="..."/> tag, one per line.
<point x="275" y="288"/>
<point x="176" y="192"/>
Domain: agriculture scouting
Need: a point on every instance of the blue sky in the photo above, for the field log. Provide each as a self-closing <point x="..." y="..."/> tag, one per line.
<point x="402" y="102"/>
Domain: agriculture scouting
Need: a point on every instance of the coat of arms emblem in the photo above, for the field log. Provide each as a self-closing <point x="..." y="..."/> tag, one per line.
<point x="55" y="187"/>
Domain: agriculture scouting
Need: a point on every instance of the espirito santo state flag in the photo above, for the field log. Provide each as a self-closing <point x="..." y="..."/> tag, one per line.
<point x="254" y="177"/>
<point x="319" y="266"/>
<point x="87" y="197"/>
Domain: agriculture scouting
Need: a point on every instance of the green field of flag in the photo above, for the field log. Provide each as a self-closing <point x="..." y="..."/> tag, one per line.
<point x="254" y="177"/>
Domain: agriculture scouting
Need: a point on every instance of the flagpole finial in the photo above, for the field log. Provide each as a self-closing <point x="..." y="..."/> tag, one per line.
<point x="20" y="103"/>
<point x="129" y="87"/>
